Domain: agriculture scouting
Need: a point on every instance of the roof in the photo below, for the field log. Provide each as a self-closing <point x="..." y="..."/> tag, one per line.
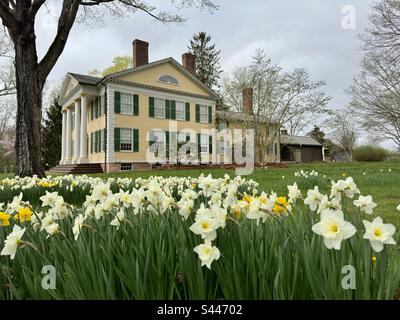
<point x="84" y="79"/>
<point x="238" y="116"/>
<point x="89" y="80"/>
<point x="299" y="140"/>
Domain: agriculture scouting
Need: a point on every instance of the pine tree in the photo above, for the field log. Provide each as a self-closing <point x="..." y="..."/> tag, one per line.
<point x="52" y="134"/>
<point x="208" y="66"/>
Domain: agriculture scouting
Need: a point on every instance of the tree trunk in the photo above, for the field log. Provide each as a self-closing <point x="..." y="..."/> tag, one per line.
<point x="29" y="98"/>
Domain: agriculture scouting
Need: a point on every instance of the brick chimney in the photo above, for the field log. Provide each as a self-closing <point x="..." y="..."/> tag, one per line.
<point x="140" y="53"/>
<point x="189" y="62"/>
<point x="248" y="100"/>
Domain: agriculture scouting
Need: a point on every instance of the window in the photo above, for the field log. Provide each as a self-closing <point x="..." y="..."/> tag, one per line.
<point x="204" y="141"/>
<point x="204" y="114"/>
<point x="126" y="139"/>
<point x="168" y="79"/>
<point x="159" y="108"/>
<point x="221" y="146"/>
<point x="157" y="140"/>
<point x="126" y="103"/>
<point x="126" y="166"/>
<point x="180" y="111"/>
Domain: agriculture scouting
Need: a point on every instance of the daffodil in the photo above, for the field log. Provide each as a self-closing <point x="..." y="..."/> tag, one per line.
<point x="379" y="233"/>
<point x="313" y="198"/>
<point x="24" y="214"/>
<point x="334" y="229"/>
<point x="294" y="193"/>
<point x="12" y="242"/>
<point x="120" y="217"/>
<point x="281" y="206"/>
<point x="365" y="204"/>
<point x="207" y="253"/>
<point x="78" y="224"/>
<point x="4" y="219"/>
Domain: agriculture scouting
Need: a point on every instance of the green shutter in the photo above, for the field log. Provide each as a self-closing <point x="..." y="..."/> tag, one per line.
<point x="197" y="113"/>
<point x="198" y="145"/>
<point x="187" y="137"/>
<point x="100" y="106"/>
<point x="187" y="111"/>
<point x="117" y="139"/>
<point x="92" y="111"/>
<point x="210" y="115"/>
<point x="135" y="105"/>
<point x="104" y="140"/>
<point x="210" y="145"/>
<point x="151" y="138"/>
<point x="151" y="107"/>
<point x="117" y="102"/>
<point x="173" y="110"/>
<point x="96" y="102"/>
<point x="91" y="142"/>
<point x="167" y="109"/>
<point x="135" y="140"/>
<point x="100" y="132"/>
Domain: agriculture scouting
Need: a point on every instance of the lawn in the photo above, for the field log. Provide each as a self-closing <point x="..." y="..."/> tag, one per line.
<point x="379" y="179"/>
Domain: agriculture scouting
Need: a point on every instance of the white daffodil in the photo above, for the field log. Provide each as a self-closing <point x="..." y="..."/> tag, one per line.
<point x="365" y="204"/>
<point x="101" y="191"/>
<point x="15" y="204"/>
<point x="78" y="223"/>
<point x="204" y="224"/>
<point x="125" y="198"/>
<point x="294" y="193"/>
<point x="398" y="208"/>
<point x="334" y="229"/>
<point x="50" y="199"/>
<point x="379" y="233"/>
<point x="120" y="216"/>
<point x="208" y="185"/>
<point x="185" y="207"/>
<point x="49" y="225"/>
<point x="207" y="253"/>
<point x="313" y="198"/>
<point x="329" y="205"/>
<point x="12" y="242"/>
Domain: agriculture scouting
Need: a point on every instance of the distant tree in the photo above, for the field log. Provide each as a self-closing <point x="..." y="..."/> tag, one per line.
<point x="52" y="134"/>
<point x="120" y="63"/>
<point x="343" y="132"/>
<point x="285" y="99"/>
<point x="376" y="90"/>
<point x="317" y="134"/>
<point x="208" y="67"/>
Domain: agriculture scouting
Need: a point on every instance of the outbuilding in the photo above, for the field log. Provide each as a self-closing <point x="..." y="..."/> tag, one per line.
<point x="300" y="149"/>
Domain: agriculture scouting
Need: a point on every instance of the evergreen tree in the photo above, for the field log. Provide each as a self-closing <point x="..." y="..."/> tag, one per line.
<point x="52" y="134"/>
<point x="208" y="67"/>
<point x="317" y="134"/>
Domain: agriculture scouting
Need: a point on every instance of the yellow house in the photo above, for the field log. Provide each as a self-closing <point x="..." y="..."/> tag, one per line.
<point x="118" y="122"/>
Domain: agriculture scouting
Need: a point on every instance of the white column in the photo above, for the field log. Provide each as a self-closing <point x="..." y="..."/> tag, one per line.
<point x="63" y="142"/>
<point x="68" y="133"/>
<point x="77" y="130"/>
<point x="83" y="155"/>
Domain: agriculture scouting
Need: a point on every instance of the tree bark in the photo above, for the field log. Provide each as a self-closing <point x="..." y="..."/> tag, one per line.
<point x="29" y="99"/>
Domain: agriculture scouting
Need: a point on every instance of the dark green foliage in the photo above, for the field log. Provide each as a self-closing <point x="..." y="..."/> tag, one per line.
<point x="208" y="68"/>
<point x="51" y="135"/>
<point x="370" y="153"/>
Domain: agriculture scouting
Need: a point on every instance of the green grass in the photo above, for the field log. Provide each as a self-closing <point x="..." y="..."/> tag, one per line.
<point x="383" y="186"/>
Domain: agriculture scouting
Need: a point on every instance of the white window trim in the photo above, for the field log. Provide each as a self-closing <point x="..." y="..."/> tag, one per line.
<point x="169" y="83"/>
<point x="163" y="108"/>
<point x="184" y="110"/>
<point x="207" y="115"/>
<point x="120" y="143"/>
<point x="131" y="102"/>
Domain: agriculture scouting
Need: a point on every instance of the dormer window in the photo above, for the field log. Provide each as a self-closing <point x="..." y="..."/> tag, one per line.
<point x="168" y="79"/>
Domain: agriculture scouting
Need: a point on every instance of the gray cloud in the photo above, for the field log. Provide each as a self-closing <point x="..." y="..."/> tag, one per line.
<point x="293" y="33"/>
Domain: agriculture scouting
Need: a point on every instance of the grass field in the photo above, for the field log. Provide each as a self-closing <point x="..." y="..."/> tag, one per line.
<point x="380" y="179"/>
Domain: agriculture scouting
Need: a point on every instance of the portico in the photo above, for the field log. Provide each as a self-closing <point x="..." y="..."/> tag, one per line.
<point x="74" y="149"/>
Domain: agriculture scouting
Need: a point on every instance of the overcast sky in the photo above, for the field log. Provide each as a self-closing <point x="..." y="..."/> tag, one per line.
<point x="294" y="33"/>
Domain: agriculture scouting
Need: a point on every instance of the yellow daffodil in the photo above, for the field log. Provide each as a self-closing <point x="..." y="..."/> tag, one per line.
<point x="281" y="205"/>
<point x="247" y="198"/>
<point x="4" y="219"/>
<point x="373" y="259"/>
<point x="24" y="214"/>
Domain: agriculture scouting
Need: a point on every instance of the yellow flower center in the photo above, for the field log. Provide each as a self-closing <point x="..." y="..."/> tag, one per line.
<point x="333" y="228"/>
<point x="378" y="232"/>
<point x="205" y="225"/>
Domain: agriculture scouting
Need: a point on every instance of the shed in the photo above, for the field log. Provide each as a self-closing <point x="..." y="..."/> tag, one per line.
<point x="301" y="149"/>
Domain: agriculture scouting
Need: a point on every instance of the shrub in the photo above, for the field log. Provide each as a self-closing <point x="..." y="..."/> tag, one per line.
<point x="370" y="153"/>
